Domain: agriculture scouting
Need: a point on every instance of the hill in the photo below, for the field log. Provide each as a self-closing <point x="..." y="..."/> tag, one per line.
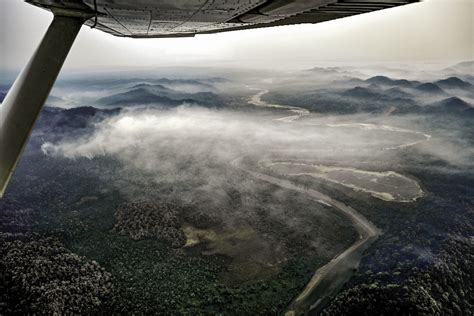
<point x="397" y="93"/>
<point x="141" y="96"/>
<point x="386" y="81"/>
<point x="453" y="83"/>
<point x="146" y="94"/>
<point x="361" y="92"/>
<point x="430" y="88"/>
<point x="452" y="105"/>
<point x="155" y="87"/>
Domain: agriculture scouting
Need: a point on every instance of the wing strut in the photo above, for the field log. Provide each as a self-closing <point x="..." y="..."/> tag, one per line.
<point x="26" y="97"/>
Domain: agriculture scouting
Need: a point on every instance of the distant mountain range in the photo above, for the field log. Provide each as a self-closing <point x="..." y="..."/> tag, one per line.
<point x="430" y="87"/>
<point x="386" y="81"/>
<point x="158" y="94"/>
<point x="463" y="67"/>
<point x="204" y="83"/>
<point x="376" y="93"/>
<point x="382" y="94"/>
<point x="193" y="82"/>
<point x="157" y="88"/>
<point x="138" y="97"/>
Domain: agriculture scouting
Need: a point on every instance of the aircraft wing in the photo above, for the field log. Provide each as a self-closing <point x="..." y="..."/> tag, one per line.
<point x="179" y="18"/>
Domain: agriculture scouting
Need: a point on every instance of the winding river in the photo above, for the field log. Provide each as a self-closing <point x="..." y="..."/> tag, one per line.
<point x="388" y="186"/>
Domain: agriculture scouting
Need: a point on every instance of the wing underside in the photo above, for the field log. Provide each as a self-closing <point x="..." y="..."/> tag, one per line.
<point x="178" y="18"/>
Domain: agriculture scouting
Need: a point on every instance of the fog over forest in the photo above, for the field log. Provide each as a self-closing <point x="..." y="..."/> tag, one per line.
<point x="198" y="190"/>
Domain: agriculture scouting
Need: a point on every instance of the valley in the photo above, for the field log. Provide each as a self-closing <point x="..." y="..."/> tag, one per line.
<point x="327" y="191"/>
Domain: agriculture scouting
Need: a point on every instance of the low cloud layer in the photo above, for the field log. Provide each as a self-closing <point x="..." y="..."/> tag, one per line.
<point x="140" y="137"/>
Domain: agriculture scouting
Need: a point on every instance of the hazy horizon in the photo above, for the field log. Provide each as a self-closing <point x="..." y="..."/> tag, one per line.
<point x="407" y="34"/>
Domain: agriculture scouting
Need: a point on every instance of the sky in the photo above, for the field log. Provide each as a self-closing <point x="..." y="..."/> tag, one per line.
<point x="434" y="31"/>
